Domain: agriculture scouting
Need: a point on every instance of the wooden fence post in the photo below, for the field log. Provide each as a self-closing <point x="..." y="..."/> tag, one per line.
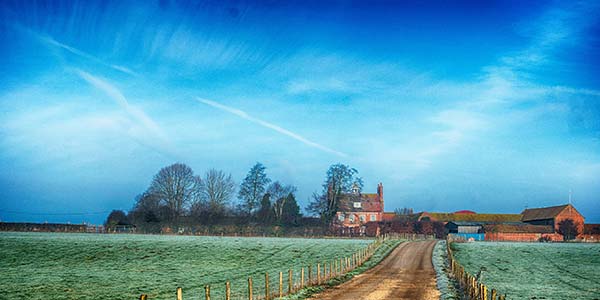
<point x="494" y="295"/>
<point x="143" y="297"/>
<point x="331" y="274"/>
<point x="207" y="292"/>
<point x="485" y="292"/>
<point x="267" y="290"/>
<point x="280" y="285"/>
<point x="310" y="279"/>
<point x="249" y="288"/>
<point x="301" y="278"/>
<point x="227" y="290"/>
<point x="290" y="282"/>
<point x="179" y="294"/>
<point x="318" y="274"/>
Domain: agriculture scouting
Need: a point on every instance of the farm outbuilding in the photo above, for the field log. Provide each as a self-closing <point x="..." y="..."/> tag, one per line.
<point x="469" y="231"/>
<point x="591" y="233"/>
<point x="464" y="227"/>
<point x="467" y="216"/>
<point x="552" y="216"/>
<point x="522" y="232"/>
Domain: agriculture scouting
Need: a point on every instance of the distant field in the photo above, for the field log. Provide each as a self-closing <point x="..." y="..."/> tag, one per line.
<point x="535" y="270"/>
<point x="91" y="266"/>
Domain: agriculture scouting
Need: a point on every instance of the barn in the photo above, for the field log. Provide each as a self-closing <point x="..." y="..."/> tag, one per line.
<point x="552" y="216"/>
<point x="465" y="230"/>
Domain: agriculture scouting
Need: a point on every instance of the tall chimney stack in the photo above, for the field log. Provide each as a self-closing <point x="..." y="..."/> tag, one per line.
<point x="380" y="194"/>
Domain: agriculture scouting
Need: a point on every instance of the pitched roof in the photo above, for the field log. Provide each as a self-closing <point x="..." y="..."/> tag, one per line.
<point x="447" y="217"/>
<point x="543" y="213"/>
<point x="518" y="228"/>
<point x="368" y="202"/>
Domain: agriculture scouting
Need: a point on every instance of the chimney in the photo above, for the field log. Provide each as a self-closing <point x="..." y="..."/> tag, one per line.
<point x="380" y="194"/>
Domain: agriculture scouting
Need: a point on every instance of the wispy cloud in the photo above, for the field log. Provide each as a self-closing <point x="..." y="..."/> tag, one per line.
<point x="138" y="116"/>
<point x="274" y="127"/>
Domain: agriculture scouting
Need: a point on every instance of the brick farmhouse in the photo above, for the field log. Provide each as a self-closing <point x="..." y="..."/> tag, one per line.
<point x="356" y="209"/>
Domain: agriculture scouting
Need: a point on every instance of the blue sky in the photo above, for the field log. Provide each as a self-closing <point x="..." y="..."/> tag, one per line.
<point x="491" y="107"/>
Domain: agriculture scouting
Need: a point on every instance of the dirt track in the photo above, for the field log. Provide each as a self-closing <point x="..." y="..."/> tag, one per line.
<point x="407" y="273"/>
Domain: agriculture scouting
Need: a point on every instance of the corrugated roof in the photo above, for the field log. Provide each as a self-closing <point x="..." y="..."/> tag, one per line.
<point x="464" y="223"/>
<point x="518" y="228"/>
<point x="542" y="213"/>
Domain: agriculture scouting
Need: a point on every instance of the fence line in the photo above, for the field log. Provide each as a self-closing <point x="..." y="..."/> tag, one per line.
<point x="471" y="288"/>
<point x="325" y="271"/>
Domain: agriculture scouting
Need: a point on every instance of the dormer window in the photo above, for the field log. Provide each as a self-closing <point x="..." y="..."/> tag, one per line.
<point x="357" y="205"/>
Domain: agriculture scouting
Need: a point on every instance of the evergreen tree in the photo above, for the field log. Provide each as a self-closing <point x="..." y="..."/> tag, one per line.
<point x="291" y="211"/>
<point x="265" y="213"/>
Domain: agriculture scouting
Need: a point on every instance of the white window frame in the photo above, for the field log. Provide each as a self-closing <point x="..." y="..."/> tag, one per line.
<point x="351" y="218"/>
<point x="341" y="217"/>
<point x="373" y="218"/>
<point x="357" y="205"/>
<point x="362" y="218"/>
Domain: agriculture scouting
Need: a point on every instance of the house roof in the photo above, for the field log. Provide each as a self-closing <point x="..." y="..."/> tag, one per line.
<point x="448" y="217"/>
<point x="518" y="228"/>
<point x="368" y="202"/>
<point x="591" y="228"/>
<point x="388" y="216"/>
<point x="543" y="213"/>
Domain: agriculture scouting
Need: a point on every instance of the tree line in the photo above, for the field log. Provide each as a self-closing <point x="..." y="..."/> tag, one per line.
<point x="178" y="196"/>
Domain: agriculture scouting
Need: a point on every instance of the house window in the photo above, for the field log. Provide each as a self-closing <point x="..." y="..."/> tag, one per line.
<point x="373" y="217"/>
<point x="351" y="218"/>
<point x="341" y="217"/>
<point x="362" y="218"/>
<point x="357" y="205"/>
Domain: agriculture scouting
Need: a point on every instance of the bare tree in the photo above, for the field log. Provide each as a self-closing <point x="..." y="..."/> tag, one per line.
<point x="339" y="180"/>
<point x="216" y="190"/>
<point x="175" y="187"/>
<point x="278" y="194"/>
<point x="253" y="187"/>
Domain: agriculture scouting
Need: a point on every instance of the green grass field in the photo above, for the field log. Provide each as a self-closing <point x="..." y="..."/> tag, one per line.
<point x="535" y="270"/>
<point x="92" y="266"/>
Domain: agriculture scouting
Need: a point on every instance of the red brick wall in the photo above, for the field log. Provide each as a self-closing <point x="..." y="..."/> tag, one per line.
<point x="357" y="222"/>
<point x="570" y="213"/>
<point x="521" y="237"/>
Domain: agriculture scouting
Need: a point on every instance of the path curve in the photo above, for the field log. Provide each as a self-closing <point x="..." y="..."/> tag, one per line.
<point x="407" y="273"/>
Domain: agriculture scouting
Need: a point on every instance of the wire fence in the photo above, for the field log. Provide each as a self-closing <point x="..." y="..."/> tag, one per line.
<point x="278" y="285"/>
<point x="469" y="285"/>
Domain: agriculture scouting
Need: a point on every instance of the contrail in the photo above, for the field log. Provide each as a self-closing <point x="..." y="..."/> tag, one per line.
<point x="266" y="124"/>
<point x="136" y="114"/>
<point x="78" y="52"/>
